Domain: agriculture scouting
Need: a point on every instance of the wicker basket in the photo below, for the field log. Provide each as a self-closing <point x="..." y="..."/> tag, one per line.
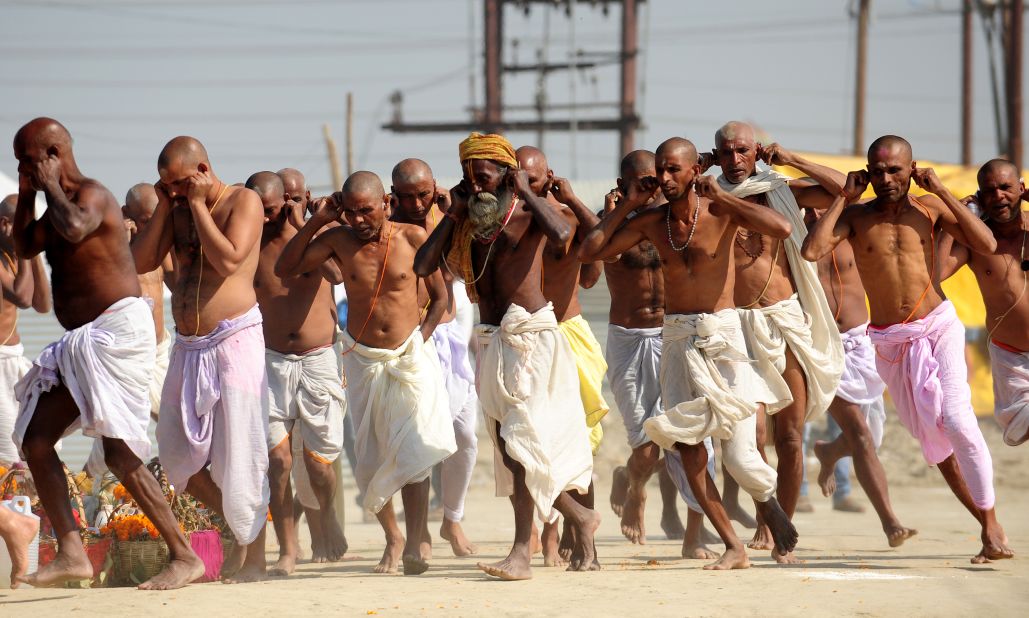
<point x="137" y="561"/>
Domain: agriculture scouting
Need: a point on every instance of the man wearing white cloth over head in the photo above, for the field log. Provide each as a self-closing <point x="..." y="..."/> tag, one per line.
<point x="393" y="376"/>
<point x="212" y="429"/>
<point x="786" y="320"/>
<point x="709" y="387"/>
<point x="96" y="376"/>
<point x="498" y="227"/>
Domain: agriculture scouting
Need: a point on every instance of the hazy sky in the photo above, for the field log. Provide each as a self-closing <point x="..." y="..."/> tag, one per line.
<point x="256" y="79"/>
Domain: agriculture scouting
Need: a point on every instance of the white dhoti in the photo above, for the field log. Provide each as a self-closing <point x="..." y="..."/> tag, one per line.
<point x="451" y="341"/>
<point x="710" y="389"/>
<point x="106" y="365"/>
<point x="13" y="366"/>
<point x="804" y="322"/>
<point x="399" y="407"/>
<point x="214" y="410"/>
<point x="528" y="389"/>
<point x="306" y="396"/>
<point x="1011" y="393"/>
<point x="860" y="383"/>
<point x="769" y="331"/>
<point x="634" y="373"/>
<point x="160" y="370"/>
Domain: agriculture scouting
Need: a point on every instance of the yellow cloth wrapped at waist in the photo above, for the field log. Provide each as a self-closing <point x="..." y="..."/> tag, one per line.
<point x="589" y="360"/>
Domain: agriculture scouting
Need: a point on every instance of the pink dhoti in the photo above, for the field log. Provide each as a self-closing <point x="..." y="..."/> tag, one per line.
<point x="214" y="410"/>
<point x="923" y="365"/>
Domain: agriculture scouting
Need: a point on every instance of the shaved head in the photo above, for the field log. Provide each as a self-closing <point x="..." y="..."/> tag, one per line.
<point x="534" y="162"/>
<point x="530" y="156"/>
<point x="411" y="171"/>
<point x="42" y="133"/>
<point x="293" y="179"/>
<point x="995" y="166"/>
<point x="140" y="201"/>
<point x="8" y="206"/>
<point x="265" y="183"/>
<point x="637" y="163"/>
<point x="676" y="145"/>
<point x="734" y="130"/>
<point x="363" y="183"/>
<point x="183" y="151"/>
<point x="888" y="144"/>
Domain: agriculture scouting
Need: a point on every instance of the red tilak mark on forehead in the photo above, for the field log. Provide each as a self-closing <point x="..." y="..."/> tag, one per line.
<point x="882" y="152"/>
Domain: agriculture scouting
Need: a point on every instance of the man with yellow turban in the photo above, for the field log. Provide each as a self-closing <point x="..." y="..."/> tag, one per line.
<point x="493" y="237"/>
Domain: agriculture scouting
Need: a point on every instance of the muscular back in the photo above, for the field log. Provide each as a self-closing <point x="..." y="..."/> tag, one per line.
<point x="843" y="289"/>
<point x="201" y="296"/>
<point x="299" y="312"/>
<point x="514" y="270"/>
<point x="896" y="251"/>
<point x="90" y="276"/>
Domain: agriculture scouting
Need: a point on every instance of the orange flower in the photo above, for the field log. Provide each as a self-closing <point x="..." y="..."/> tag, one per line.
<point x="120" y="493"/>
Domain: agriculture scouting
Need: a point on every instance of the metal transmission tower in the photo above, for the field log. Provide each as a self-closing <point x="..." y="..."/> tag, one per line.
<point x="491" y="116"/>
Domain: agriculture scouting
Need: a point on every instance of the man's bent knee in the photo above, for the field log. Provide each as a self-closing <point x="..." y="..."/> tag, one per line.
<point x="119" y="458"/>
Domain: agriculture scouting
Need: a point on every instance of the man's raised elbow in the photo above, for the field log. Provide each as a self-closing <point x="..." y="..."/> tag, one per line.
<point x="808" y="252"/>
<point x="783" y="229"/>
<point x="423" y="268"/>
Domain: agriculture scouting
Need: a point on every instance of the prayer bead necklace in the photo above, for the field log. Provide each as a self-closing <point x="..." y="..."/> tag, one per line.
<point x="693" y="227"/>
<point x="741" y="236"/>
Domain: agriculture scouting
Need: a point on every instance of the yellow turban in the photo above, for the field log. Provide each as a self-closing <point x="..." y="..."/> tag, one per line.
<point x="492" y="147"/>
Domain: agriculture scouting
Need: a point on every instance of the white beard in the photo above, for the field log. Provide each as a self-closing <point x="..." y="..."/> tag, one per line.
<point x="487" y="211"/>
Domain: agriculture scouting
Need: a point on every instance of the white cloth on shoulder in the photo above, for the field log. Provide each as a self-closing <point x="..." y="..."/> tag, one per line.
<point x="13" y="367"/>
<point x="106" y="365"/>
<point x="399" y="407"/>
<point x="214" y="410"/>
<point x="770" y="330"/>
<point x="1011" y="393"/>
<point x="860" y="383"/>
<point x="528" y="384"/>
<point x="822" y="379"/>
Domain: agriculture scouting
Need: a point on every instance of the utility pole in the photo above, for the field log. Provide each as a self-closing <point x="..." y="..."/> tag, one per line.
<point x="334" y="167"/>
<point x="627" y="107"/>
<point x="1015" y="23"/>
<point x="350" y="134"/>
<point x="966" y="83"/>
<point x="859" y="77"/>
<point x="494" y="46"/>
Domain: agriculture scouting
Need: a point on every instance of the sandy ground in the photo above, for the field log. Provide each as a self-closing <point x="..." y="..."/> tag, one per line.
<point x="849" y="568"/>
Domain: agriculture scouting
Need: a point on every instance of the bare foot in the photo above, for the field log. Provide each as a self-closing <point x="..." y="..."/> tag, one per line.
<point x="898" y="534"/>
<point x="71" y="565"/>
<point x="697" y="551"/>
<point x="334" y="542"/>
<point x="787" y="558"/>
<point x="416" y="557"/>
<point x="459" y="543"/>
<point x="632" y="516"/>
<point x="177" y="574"/>
<point x="762" y="539"/>
<point x="804" y="505"/>
<point x="848" y="504"/>
<point x="995" y="546"/>
<point x="20" y="531"/>
<point x="247" y="574"/>
<point x="585" y="551"/>
<point x="826" y="478"/>
<point x="567" y="544"/>
<point x="234" y="560"/>
<point x="619" y="487"/>
<point x="390" y="556"/>
<point x="671" y="524"/>
<point x="733" y="558"/>
<point x="551" y="552"/>
<point x="535" y="546"/>
<point x="284" y="566"/>
<point x="512" y="568"/>
<point x="737" y="514"/>
<point x="783" y="533"/>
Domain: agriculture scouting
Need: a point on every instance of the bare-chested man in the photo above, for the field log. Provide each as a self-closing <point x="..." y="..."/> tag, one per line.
<point x="214" y="406"/>
<point x="96" y="376"/>
<point x="1003" y="278"/>
<point x="418" y="200"/>
<point x="636" y="283"/>
<point x="24" y="285"/>
<point x="858" y="406"/>
<point x="394" y="382"/>
<point x="493" y="238"/>
<point x="305" y="379"/>
<point x="918" y="339"/>
<point x="709" y="388"/>
<point x="786" y="320"/>
<point x="563" y="274"/>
